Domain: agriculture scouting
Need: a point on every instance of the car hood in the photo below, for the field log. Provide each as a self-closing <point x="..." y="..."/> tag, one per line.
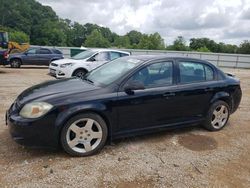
<point x="53" y="89"/>
<point x="63" y="61"/>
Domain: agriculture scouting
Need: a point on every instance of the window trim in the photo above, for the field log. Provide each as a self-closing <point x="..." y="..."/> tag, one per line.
<point x="215" y="77"/>
<point x="38" y="50"/>
<point x="123" y="84"/>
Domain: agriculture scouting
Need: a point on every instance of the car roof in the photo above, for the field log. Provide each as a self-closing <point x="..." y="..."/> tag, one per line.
<point x="145" y="58"/>
<point x="53" y="50"/>
<point x="107" y="50"/>
<point x="47" y="48"/>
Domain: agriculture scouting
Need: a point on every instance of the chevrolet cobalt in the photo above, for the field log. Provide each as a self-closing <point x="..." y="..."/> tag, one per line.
<point x="128" y="96"/>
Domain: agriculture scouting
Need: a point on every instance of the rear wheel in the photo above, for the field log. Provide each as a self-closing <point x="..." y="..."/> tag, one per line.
<point x="80" y="73"/>
<point x="218" y="116"/>
<point x="15" y="63"/>
<point x="84" y="135"/>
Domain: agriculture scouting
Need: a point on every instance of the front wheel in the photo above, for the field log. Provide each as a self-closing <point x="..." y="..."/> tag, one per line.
<point x="80" y="73"/>
<point x="84" y="135"/>
<point x="217" y="116"/>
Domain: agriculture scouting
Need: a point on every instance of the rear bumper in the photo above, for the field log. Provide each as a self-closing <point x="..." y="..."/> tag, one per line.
<point x="4" y="62"/>
<point x="237" y="95"/>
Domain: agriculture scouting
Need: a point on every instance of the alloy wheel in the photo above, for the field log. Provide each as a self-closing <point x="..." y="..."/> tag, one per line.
<point x="80" y="74"/>
<point x="220" y="116"/>
<point x="15" y="63"/>
<point x="84" y="135"/>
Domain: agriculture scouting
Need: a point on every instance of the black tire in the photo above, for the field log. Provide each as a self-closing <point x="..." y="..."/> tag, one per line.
<point x="64" y="138"/>
<point x="15" y="63"/>
<point x="80" y="73"/>
<point x="209" y="123"/>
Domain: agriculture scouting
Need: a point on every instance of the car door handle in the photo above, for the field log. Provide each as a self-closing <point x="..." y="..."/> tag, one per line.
<point x="167" y="95"/>
<point x="209" y="89"/>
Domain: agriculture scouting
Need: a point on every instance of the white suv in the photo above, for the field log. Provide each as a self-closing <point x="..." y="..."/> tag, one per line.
<point x="83" y="62"/>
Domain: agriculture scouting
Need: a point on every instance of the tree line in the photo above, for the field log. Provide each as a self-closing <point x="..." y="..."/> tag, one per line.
<point x="29" y="21"/>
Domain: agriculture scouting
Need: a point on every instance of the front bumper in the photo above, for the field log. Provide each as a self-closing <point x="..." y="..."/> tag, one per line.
<point x="38" y="133"/>
<point x="58" y="72"/>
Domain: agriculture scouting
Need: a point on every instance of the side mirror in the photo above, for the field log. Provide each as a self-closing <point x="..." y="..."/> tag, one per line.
<point x="133" y="85"/>
<point x="25" y="53"/>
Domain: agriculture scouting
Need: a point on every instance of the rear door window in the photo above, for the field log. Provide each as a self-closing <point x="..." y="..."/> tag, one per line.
<point x="56" y="51"/>
<point x="123" y="54"/>
<point x="195" y="72"/>
<point x="209" y="73"/>
<point x="114" y="55"/>
<point x="43" y="51"/>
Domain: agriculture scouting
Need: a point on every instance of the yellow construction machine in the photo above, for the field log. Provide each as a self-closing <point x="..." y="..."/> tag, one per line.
<point x="12" y="47"/>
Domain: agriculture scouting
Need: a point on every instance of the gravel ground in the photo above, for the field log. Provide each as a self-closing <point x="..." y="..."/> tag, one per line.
<point x="190" y="157"/>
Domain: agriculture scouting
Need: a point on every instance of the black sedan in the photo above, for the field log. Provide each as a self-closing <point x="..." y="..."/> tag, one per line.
<point x="128" y="96"/>
<point x="35" y="56"/>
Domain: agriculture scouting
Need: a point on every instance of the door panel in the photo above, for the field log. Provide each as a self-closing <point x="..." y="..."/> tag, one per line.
<point x="146" y="108"/>
<point x="164" y="105"/>
<point x="193" y="100"/>
<point x="44" y="56"/>
<point x="150" y="106"/>
<point x="30" y="57"/>
<point x="196" y="87"/>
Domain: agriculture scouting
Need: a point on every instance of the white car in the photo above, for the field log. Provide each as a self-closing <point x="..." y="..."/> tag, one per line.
<point x="83" y="62"/>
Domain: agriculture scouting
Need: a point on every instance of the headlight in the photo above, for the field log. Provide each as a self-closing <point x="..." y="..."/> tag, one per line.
<point x="35" y="109"/>
<point x="66" y="65"/>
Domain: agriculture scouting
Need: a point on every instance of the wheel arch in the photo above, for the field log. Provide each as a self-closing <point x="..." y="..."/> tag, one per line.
<point x="53" y="59"/>
<point x="223" y="96"/>
<point x="64" y="118"/>
<point x="18" y="58"/>
<point x="79" y="68"/>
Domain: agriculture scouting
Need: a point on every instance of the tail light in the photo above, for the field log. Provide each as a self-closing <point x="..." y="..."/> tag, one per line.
<point x="6" y="55"/>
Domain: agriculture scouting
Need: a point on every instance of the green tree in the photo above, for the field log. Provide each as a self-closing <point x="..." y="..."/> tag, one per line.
<point x="244" y="47"/>
<point x="28" y="19"/>
<point x="19" y="37"/>
<point x="76" y="35"/>
<point x="203" y="49"/>
<point x="179" y="44"/>
<point x="156" y="41"/>
<point x="134" y="37"/>
<point x="204" y="42"/>
<point x="227" y="48"/>
<point x="122" y="42"/>
<point x="48" y="33"/>
<point x="152" y="42"/>
<point x="95" y="39"/>
<point x="145" y="43"/>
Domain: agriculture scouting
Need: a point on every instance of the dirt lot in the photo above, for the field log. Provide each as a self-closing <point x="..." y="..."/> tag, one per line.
<point x="182" y="158"/>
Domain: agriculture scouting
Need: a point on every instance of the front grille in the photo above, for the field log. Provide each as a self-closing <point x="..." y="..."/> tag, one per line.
<point x="53" y="64"/>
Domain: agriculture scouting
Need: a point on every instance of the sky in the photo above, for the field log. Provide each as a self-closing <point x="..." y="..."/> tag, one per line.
<point x="221" y="20"/>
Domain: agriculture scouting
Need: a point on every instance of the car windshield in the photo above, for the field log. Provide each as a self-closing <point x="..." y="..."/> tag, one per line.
<point x="84" y="55"/>
<point x="109" y="72"/>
